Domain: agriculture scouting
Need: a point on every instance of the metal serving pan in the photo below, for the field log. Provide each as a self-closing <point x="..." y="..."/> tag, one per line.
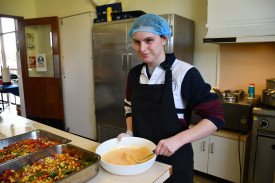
<point x="33" y="135"/>
<point x="83" y="175"/>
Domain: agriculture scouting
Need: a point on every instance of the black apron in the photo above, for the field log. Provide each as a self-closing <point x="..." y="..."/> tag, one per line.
<point x="155" y="118"/>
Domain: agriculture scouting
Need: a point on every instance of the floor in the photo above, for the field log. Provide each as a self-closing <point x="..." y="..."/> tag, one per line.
<point x="204" y="178"/>
<point x="198" y="177"/>
<point x="10" y="108"/>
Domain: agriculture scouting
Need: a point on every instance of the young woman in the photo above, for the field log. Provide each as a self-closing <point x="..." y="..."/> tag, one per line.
<point x="160" y="96"/>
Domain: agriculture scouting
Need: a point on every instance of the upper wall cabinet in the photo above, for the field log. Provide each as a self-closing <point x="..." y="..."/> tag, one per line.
<point x="240" y="21"/>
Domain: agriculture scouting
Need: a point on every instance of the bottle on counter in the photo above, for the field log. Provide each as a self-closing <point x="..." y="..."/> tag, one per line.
<point x="251" y="91"/>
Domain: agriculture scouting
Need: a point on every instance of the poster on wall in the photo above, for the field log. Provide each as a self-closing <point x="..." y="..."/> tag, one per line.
<point x="32" y="62"/>
<point x="41" y="65"/>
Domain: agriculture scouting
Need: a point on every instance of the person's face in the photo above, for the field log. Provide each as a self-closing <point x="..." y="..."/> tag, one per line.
<point x="150" y="47"/>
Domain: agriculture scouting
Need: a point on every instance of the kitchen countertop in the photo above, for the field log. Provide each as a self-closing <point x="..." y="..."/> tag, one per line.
<point x="11" y="125"/>
<point x="230" y="134"/>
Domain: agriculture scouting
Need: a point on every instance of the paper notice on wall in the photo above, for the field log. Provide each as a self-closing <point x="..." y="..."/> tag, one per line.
<point x="32" y="62"/>
<point x="41" y="65"/>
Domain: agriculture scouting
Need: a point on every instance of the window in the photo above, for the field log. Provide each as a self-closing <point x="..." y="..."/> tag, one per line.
<point x="8" y="56"/>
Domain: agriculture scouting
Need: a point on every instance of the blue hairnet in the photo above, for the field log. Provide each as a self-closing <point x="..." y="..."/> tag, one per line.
<point x="150" y="23"/>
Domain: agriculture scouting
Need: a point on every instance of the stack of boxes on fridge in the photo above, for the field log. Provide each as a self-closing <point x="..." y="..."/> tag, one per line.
<point x="112" y="12"/>
<point x="101" y="12"/>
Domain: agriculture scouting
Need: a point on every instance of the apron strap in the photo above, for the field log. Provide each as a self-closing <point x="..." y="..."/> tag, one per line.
<point x="167" y="82"/>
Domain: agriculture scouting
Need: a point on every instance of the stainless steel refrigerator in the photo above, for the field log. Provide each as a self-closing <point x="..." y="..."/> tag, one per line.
<point x="114" y="56"/>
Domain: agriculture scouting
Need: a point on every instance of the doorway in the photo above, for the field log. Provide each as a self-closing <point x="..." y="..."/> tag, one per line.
<point x="40" y="64"/>
<point x="9" y="62"/>
<point x="38" y="69"/>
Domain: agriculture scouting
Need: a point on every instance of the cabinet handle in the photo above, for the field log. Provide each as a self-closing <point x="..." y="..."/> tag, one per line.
<point x="212" y="148"/>
<point x="129" y="61"/>
<point x="123" y="63"/>
<point x="203" y="146"/>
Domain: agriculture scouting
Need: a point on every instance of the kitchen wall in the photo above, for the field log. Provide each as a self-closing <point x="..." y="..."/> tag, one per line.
<point x="243" y="63"/>
<point x="227" y="66"/>
<point x="23" y="8"/>
<point x="205" y="55"/>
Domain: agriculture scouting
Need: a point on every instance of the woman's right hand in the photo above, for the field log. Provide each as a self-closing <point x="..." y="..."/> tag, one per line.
<point x="127" y="134"/>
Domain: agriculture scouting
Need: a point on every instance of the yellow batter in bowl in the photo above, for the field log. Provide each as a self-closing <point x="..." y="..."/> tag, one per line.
<point x="126" y="156"/>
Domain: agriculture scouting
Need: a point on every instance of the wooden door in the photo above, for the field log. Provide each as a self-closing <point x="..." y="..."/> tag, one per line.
<point x="39" y="46"/>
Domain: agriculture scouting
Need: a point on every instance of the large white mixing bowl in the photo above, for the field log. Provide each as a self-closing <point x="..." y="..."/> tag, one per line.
<point x="133" y="142"/>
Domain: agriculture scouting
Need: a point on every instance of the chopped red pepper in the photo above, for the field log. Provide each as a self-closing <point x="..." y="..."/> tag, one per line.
<point x="24" y="147"/>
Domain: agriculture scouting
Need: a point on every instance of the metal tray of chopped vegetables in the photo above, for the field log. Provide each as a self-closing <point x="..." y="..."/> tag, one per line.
<point x="21" y="145"/>
<point x="62" y="163"/>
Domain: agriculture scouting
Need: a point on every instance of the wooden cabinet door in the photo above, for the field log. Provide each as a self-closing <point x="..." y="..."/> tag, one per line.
<point x="224" y="158"/>
<point x="200" y="148"/>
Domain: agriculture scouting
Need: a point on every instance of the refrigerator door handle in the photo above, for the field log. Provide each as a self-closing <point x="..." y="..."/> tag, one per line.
<point x="129" y="61"/>
<point x="123" y="63"/>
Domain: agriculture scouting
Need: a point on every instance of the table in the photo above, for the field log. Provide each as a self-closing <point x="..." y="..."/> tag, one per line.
<point x="13" y="89"/>
<point x="11" y="125"/>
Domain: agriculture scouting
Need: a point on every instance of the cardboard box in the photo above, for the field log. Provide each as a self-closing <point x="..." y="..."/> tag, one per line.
<point x="127" y="15"/>
<point x="101" y="11"/>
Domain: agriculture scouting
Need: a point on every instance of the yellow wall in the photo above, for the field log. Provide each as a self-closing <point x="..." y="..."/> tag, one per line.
<point x="204" y="56"/>
<point x="234" y="58"/>
<point x="44" y="8"/>
<point x="243" y="63"/>
<point x="61" y="8"/>
<point x="23" y="8"/>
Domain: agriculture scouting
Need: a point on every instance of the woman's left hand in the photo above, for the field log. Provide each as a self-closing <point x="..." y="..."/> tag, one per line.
<point x="168" y="147"/>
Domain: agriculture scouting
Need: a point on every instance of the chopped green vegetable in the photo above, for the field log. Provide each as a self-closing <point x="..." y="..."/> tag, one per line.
<point x="85" y="163"/>
<point x="69" y="171"/>
<point x="52" y="175"/>
<point x="39" y="174"/>
<point x="31" y="179"/>
<point x="47" y="169"/>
